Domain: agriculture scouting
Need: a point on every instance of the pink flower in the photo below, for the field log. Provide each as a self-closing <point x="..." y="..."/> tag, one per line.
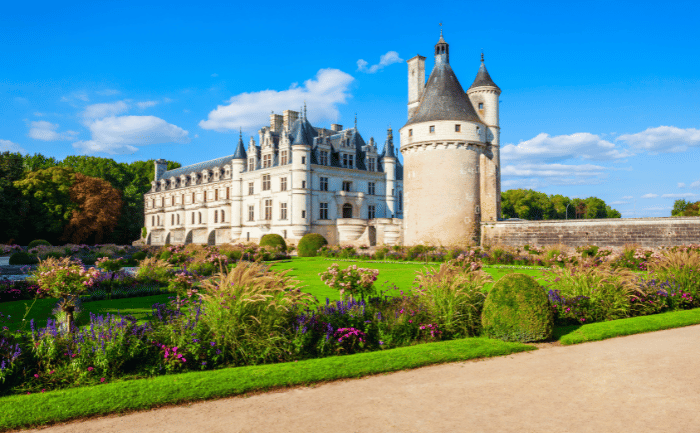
<point x="102" y="380"/>
<point x="43" y="390"/>
<point x="90" y="368"/>
<point x="36" y="375"/>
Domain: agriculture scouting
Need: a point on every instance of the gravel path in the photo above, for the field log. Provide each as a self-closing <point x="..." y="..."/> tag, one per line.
<point x="641" y="383"/>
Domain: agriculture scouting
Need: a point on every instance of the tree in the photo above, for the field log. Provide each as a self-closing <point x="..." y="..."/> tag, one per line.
<point x="559" y="203"/>
<point x="595" y="208"/>
<point x="38" y="162"/>
<point x="46" y="206"/>
<point x="11" y="170"/>
<point x="99" y="205"/>
<point x="679" y="207"/>
<point x="611" y="213"/>
<point x="580" y="207"/>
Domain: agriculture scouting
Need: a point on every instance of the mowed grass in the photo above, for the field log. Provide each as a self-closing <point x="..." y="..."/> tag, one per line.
<point x="41" y="309"/>
<point x="391" y="274"/>
<point x="117" y="397"/>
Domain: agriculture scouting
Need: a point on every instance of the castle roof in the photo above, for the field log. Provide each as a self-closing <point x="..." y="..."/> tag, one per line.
<point x="443" y="98"/>
<point x="198" y="167"/>
<point x="483" y="78"/>
<point x="302" y="132"/>
<point x="240" y="150"/>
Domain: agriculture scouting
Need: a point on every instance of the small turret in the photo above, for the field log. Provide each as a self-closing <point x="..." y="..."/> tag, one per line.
<point x="240" y="149"/>
<point x="389" y="163"/>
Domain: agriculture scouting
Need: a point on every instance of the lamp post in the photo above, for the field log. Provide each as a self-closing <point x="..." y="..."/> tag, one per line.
<point x="567" y="210"/>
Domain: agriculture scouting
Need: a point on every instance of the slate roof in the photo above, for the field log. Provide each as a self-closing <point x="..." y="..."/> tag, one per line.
<point x="443" y="98"/>
<point x="199" y="167"/>
<point x="483" y="78"/>
<point x="240" y="150"/>
<point x="302" y="132"/>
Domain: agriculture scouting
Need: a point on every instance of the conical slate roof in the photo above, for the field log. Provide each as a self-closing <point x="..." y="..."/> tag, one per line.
<point x="240" y="150"/>
<point x="483" y="78"/>
<point x="302" y="132"/>
<point x="443" y="98"/>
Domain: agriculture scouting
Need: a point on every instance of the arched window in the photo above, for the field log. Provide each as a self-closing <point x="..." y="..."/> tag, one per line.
<point x="223" y="219"/>
<point x="347" y="210"/>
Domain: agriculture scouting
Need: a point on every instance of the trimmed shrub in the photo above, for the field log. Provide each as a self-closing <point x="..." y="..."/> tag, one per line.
<point x="37" y="242"/>
<point x="23" y="258"/>
<point x="517" y="309"/>
<point x="310" y="244"/>
<point x="139" y="255"/>
<point x="273" y="240"/>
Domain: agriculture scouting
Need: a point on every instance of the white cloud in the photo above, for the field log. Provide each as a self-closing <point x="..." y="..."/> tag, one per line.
<point x="619" y="202"/>
<point x="663" y="139"/>
<point x="108" y="92"/>
<point x="47" y="131"/>
<point x="122" y="134"/>
<point x="81" y="96"/>
<point x="8" y="146"/>
<point x="627" y="197"/>
<point x="685" y="194"/>
<point x="97" y="111"/>
<point x="214" y="75"/>
<point x="385" y="60"/>
<point x="38" y="114"/>
<point x="581" y="145"/>
<point x="251" y="110"/>
<point x="541" y="175"/>
<point x="695" y="185"/>
<point x="681" y="185"/>
<point x="650" y="195"/>
<point x="146" y="104"/>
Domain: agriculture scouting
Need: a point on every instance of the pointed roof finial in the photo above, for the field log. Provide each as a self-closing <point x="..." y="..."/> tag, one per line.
<point x="355" y="121"/>
<point x="482" y="55"/>
<point x="441" y="40"/>
<point x="304" y="109"/>
<point x="240" y="133"/>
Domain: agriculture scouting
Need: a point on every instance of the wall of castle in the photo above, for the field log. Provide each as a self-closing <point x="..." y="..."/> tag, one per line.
<point x="647" y="232"/>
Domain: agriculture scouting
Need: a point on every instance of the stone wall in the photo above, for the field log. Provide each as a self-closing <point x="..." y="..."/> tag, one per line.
<point x="647" y="232"/>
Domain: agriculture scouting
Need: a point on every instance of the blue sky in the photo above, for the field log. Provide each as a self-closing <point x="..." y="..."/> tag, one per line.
<point x="601" y="98"/>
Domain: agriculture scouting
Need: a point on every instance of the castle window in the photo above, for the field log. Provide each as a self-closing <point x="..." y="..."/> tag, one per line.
<point x="283" y="157"/>
<point x="284" y="234"/>
<point x="303" y="214"/>
<point x="153" y="221"/>
<point x="478" y="129"/>
<point x="371" y="212"/>
<point x="458" y="128"/>
<point x="303" y="160"/>
<point x="192" y="217"/>
<point x="222" y="216"/>
<point x="251" y="213"/>
<point x="481" y="105"/>
<point x="182" y="199"/>
<point x="193" y="199"/>
<point x="370" y="188"/>
<point x="283" y="211"/>
<point x="178" y="219"/>
<point x="347" y="186"/>
<point x="228" y="193"/>
<point x="432" y="128"/>
<point x="172" y="219"/>
<point x="251" y="164"/>
<point x="216" y="216"/>
<point x="216" y="194"/>
<point x="158" y="219"/>
<point x="251" y="188"/>
<point x="200" y="217"/>
<point x="348" y="161"/>
<point x="347" y="210"/>
<point x="268" y="209"/>
<point x="266" y="182"/>
<point x="283" y="184"/>
<point x="324" y="157"/>
<point x="267" y="161"/>
<point x="153" y="203"/>
<point x="477" y="210"/>
<point x="323" y="184"/>
<point x="323" y="211"/>
<point x="303" y="184"/>
<point x="204" y="196"/>
<point x="400" y="200"/>
<point x="370" y="164"/>
<point x="410" y="133"/>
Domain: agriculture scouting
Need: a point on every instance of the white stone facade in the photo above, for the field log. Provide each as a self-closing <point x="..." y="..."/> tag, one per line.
<point x="350" y="194"/>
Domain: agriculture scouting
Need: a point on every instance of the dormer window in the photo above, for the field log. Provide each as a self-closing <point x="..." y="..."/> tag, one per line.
<point x="267" y="161"/>
<point x="432" y="128"/>
<point x="283" y="157"/>
<point x="251" y="164"/>
<point x="481" y="105"/>
<point x="323" y="156"/>
<point x="348" y="161"/>
<point x="371" y="164"/>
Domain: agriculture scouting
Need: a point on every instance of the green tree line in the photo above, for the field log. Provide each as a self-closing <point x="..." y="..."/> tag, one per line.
<point x="40" y="196"/>
<point x="532" y="205"/>
<point x="685" y="208"/>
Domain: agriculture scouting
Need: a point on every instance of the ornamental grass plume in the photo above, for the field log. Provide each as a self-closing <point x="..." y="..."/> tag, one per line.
<point x="682" y="266"/>
<point x="248" y="310"/>
<point x="456" y="296"/>
<point x="610" y="291"/>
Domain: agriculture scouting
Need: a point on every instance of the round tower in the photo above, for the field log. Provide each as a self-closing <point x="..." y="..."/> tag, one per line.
<point x="389" y="162"/>
<point x="484" y="94"/>
<point x="237" y="165"/>
<point x="302" y="134"/>
<point x="441" y="145"/>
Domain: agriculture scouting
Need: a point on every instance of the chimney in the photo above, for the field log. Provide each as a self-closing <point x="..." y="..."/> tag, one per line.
<point x="335" y="127"/>
<point x="276" y="121"/>
<point x="416" y="82"/>
<point x="161" y="167"/>
<point x="289" y="117"/>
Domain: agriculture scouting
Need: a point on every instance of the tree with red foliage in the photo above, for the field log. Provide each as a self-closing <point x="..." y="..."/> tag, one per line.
<point x="99" y="207"/>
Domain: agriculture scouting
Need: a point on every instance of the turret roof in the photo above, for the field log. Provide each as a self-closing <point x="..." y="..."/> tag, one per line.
<point x="443" y="98"/>
<point x="483" y="78"/>
<point x="240" y="150"/>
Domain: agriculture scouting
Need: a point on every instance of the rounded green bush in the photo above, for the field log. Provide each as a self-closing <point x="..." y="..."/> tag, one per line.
<point x="165" y="255"/>
<point x="273" y="240"/>
<point x="22" y="258"/>
<point x="517" y="309"/>
<point x="141" y="255"/>
<point x="309" y="244"/>
<point x="37" y="242"/>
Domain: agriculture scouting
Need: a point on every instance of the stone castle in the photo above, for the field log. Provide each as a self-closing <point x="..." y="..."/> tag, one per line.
<point x="300" y="179"/>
